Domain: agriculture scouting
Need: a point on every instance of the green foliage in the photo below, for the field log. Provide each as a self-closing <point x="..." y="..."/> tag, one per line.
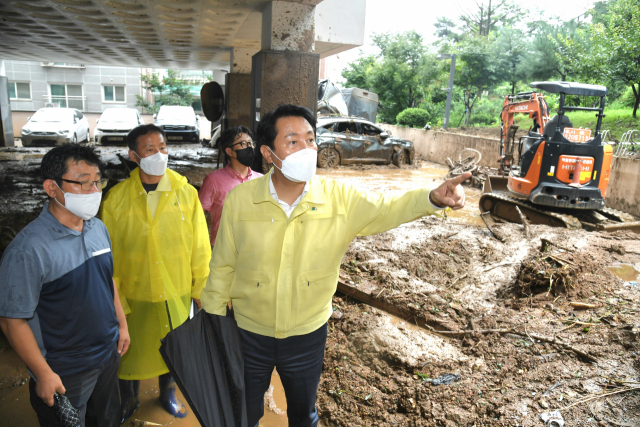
<point x="496" y="57"/>
<point x="357" y="73"/>
<point x="617" y="121"/>
<point x="619" y="39"/>
<point x="168" y="90"/>
<point x="396" y="74"/>
<point x="413" y="117"/>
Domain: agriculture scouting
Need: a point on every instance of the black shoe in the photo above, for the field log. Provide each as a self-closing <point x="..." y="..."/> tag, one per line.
<point x="128" y="408"/>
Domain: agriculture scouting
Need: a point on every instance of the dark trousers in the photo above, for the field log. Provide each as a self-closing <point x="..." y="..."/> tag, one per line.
<point x="129" y="389"/>
<point x="94" y="393"/>
<point x="298" y="360"/>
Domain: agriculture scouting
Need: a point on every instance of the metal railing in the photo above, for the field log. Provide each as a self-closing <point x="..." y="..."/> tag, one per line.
<point x="627" y="143"/>
<point x="605" y="135"/>
<point x="66" y="101"/>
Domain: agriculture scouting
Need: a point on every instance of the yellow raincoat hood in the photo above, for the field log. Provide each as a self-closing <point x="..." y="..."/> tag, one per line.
<point x="160" y="263"/>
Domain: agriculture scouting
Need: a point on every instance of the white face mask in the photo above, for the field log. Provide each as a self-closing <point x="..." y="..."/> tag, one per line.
<point x="83" y="206"/>
<point x="299" y="166"/>
<point x="155" y="165"/>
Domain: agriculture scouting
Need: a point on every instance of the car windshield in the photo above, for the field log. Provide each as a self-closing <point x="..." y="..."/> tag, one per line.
<point x="176" y="113"/>
<point x="118" y="115"/>
<point x="52" y="115"/>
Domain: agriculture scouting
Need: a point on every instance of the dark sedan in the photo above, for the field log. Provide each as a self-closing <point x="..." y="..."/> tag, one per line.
<point x="347" y="140"/>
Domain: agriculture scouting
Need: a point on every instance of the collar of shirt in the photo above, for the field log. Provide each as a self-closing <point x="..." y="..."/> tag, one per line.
<point x="236" y="175"/>
<point x="164" y="184"/>
<point x="288" y="209"/>
<point x="58" y="231"/>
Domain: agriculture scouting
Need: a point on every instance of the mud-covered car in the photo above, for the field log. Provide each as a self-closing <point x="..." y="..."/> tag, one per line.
<point x="347" y="140"/>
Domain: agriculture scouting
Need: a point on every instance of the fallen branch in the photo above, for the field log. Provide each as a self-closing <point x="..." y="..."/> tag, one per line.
<point x="582" y="305"/>
<point x="547" y="242"/>
<point x="499" y="265"/>
<point x="459" y="278"/>
<point x="553" y="387"/>
<point x="529" y="335"/>
<point x="599" y="396"/>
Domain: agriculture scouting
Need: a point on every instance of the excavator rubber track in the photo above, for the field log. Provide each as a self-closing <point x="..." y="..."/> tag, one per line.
<point x="500" y="204"/>
<point x="503" y="206"/>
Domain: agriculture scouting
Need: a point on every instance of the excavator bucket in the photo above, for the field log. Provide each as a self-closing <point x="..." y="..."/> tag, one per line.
<point x="495" y="184"/>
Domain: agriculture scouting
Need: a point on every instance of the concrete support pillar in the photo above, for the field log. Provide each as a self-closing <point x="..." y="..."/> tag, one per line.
<point x="285" y="71"/>
<point x="238" y="89"/>
<point x="288" y="26"/>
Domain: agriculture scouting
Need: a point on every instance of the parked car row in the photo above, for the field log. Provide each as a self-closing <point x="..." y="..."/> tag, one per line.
<point x="56" y="126"/>
<point x="341" y="140"/>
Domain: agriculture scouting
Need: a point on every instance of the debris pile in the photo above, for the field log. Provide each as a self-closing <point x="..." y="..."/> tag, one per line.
<point x="468" y="160"/>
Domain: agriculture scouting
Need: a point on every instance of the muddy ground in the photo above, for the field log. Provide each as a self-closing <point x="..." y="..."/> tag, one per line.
<point x="464" y="303"/>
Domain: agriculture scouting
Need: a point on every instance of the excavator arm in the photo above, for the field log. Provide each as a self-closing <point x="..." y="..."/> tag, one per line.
<point x="530" y="103"/>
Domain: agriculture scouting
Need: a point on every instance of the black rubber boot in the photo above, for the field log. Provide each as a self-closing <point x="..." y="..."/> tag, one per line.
<point x="129" y="401"/>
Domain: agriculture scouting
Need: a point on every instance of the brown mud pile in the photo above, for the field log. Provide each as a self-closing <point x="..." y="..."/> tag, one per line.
<point x="519" y="348"/>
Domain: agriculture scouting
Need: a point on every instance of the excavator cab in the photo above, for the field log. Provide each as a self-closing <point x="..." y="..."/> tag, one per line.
<point x="564" y="167"/>
<point x="559" y="176"/>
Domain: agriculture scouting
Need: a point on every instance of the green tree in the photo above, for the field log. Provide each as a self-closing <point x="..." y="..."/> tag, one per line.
<point x="619" y="42"/>
<point x="510" y="51"/>
<point x="476" y="72"/>
<point x="487" y="16"/>
<point x="168" y="90"/>
<point x="395" y="74"/>
<point x="357" y="73"/>
<point x="445" y="30"/>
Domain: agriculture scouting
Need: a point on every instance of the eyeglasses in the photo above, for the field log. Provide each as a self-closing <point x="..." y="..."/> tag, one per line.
<point x="245" y="144"/>
<point x="88" y="185"/>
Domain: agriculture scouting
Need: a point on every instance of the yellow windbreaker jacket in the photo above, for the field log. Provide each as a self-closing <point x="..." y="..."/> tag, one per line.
<point x="280" y="273"/>
<point x="159" y="264"/>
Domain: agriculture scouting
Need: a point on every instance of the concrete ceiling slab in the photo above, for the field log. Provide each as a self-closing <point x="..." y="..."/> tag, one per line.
<point x="185" y="34"/>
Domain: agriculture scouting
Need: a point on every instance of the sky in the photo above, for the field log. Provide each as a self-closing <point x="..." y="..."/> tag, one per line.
<point x="396" y="16"/>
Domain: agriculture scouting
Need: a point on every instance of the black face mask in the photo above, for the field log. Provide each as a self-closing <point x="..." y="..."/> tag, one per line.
<point x="245" y="156"/>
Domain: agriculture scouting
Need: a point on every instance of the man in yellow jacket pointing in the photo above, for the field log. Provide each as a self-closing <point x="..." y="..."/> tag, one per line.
<point x="161" y="257"/>
<point x="278" y="252"/>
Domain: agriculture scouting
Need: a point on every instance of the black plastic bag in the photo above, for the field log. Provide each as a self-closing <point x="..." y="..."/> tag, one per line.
<point x="204" y="356"/>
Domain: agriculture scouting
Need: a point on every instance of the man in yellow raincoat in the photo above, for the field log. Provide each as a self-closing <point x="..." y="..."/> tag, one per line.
<point x="161" y="254"/>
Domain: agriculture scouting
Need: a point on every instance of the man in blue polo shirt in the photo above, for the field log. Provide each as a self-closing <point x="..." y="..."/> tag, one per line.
<point x="59" y="307"/>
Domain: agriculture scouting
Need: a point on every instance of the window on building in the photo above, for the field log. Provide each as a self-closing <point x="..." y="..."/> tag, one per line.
<point x="113" y="93"/>
<point x="19" y="90"/>
<point x="67" y="96"/>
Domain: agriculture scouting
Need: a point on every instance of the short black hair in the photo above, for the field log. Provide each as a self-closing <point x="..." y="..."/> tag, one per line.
<point x="267" y="132"/>
<point x="132" y="137"/>
<point x="225" y="140"/>
<point x="56" y="162"/>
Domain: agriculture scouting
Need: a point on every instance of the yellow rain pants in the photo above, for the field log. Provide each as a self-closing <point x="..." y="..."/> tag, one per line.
<point x="160" y="263"/>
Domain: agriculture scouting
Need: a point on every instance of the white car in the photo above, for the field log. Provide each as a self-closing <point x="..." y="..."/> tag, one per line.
<point x="114" y="124"/>
<point x="55" y="126"/>
<point x="179" y="123"/>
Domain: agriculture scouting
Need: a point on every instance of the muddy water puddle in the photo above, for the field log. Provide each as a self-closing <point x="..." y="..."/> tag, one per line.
<point x="392" y="181"/>
<point x="625" y="272"/>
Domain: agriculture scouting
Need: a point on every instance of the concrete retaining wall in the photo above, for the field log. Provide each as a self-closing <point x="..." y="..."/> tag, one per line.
<point x="623" y="192"/>
<point x="437" y="146"/>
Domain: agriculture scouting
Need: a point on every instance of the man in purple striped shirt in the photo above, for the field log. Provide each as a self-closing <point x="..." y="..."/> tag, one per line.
<point x="238" y="146"/>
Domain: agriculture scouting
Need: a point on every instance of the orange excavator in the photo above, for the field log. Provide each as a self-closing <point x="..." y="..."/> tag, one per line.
<point x="559" y="174"/>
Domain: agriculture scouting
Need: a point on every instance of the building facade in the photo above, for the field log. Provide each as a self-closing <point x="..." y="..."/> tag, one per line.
<point x="89" y="88"/>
